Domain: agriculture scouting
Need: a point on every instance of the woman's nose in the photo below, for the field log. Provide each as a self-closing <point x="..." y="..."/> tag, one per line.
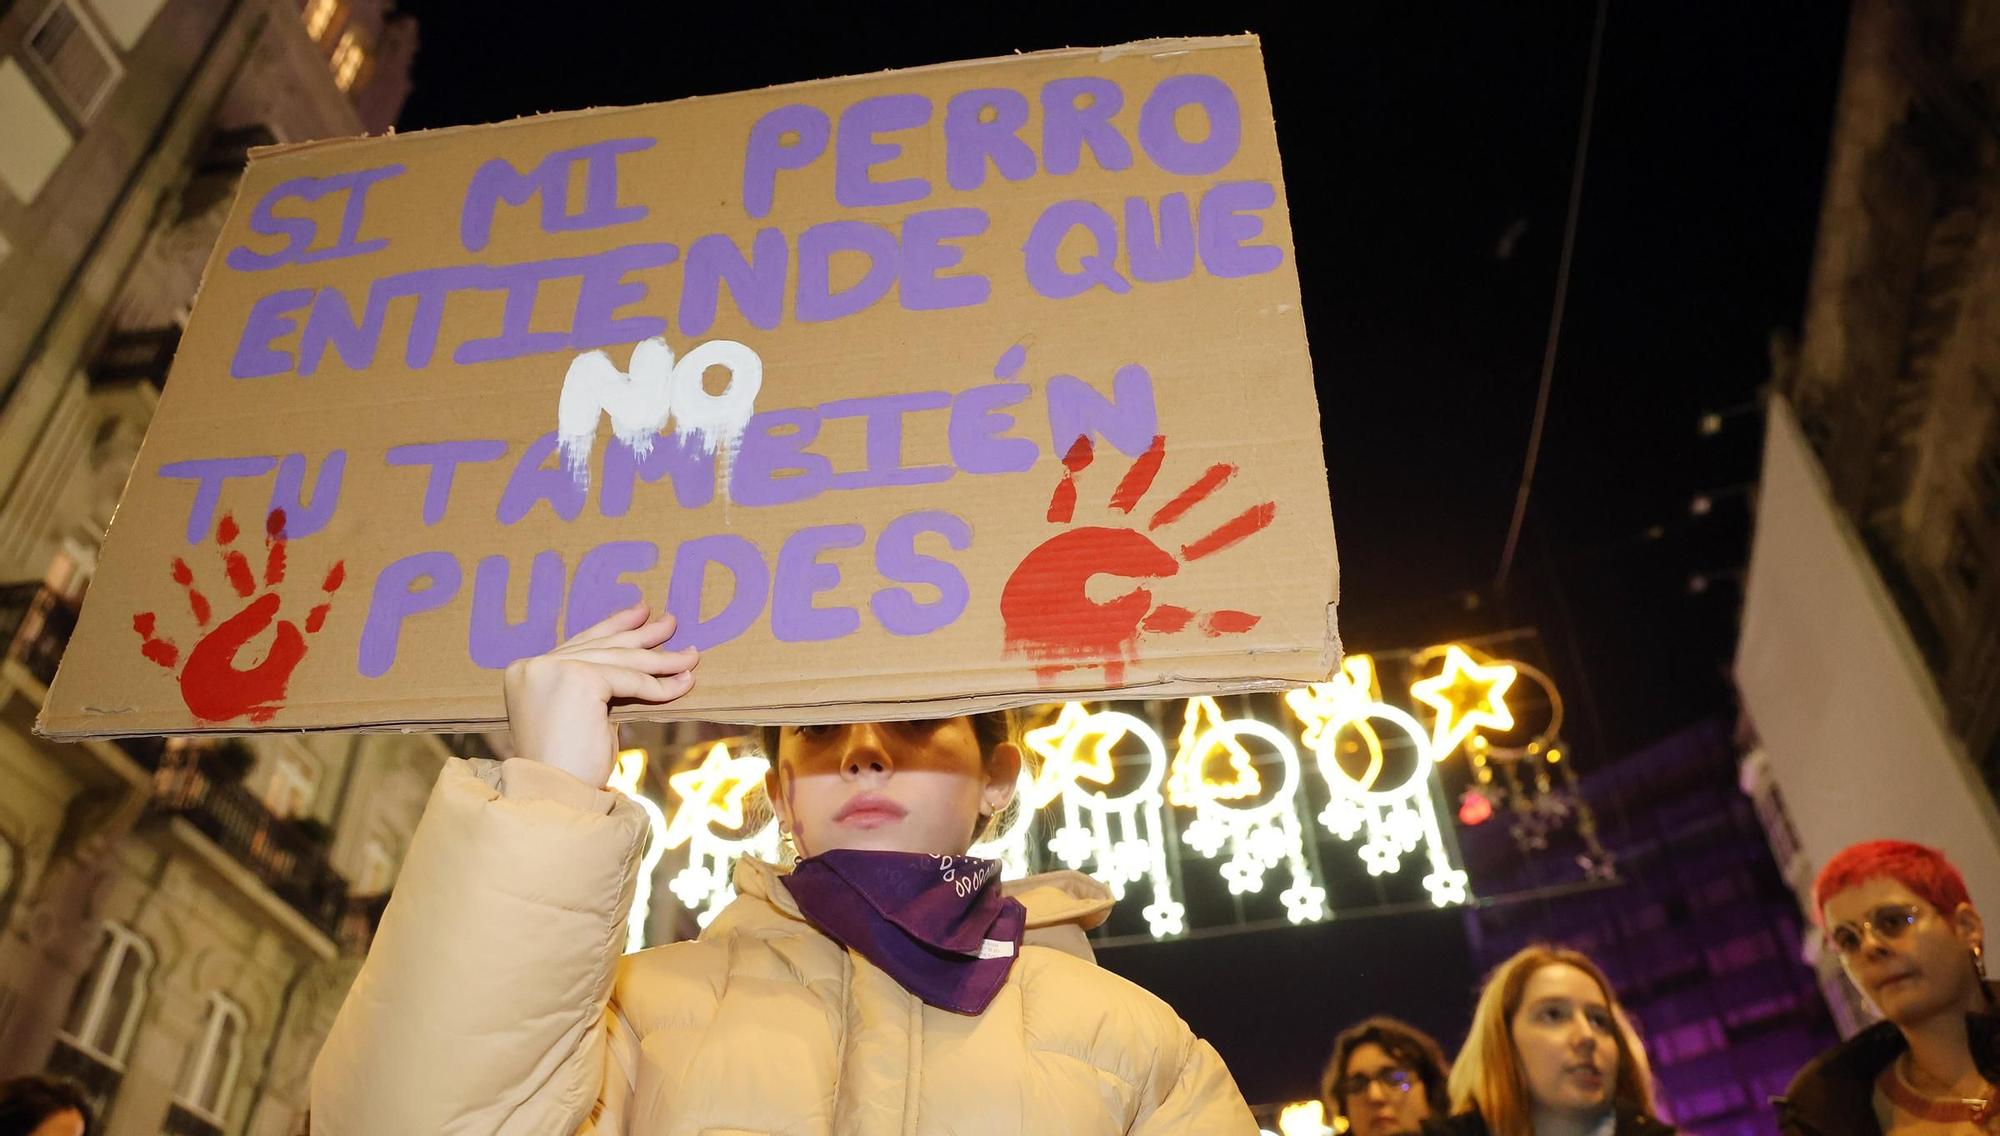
<point x="867" y="752"/>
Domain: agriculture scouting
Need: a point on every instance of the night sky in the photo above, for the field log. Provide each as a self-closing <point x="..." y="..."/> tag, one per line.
<point x="1428" y="155"/>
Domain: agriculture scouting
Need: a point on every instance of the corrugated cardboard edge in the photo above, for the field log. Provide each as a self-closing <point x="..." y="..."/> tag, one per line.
<point x="842" y="711"/>
<point x="1151" y="47"/>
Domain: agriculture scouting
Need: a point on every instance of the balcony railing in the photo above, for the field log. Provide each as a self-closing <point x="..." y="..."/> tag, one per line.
<point x="200" y="781"/>
<point x="194" y="782"/>
<point x="184" y="1121"/>
<point x="97" y="1077"/>
<point x="131" y="356"/>
<point x="35" y="626"/>
<point x="359" y="920"/>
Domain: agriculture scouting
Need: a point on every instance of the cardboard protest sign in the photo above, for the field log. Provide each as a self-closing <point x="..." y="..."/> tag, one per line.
<point x="913" y="393"/>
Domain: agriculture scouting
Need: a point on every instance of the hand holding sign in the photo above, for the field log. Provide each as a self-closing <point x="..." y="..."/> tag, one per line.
<point x="558" y="704"/>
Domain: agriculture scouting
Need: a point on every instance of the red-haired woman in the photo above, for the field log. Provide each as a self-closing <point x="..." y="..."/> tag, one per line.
<point x="1911" y="942"/>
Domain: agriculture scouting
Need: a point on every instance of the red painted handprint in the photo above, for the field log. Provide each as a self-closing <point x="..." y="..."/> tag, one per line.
<point x="213" y="686"/>
<point x="1048" y="615"/>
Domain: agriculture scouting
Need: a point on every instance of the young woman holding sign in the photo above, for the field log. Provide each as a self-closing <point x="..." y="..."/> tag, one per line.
<point x="887" y="984"/>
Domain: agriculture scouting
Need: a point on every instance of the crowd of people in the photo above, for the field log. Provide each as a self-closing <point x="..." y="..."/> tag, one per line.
<point x="1550" y="1052"/>
<point x="881" y="982"/>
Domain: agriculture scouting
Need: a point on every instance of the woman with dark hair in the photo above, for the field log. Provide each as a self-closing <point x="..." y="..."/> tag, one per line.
<point x="1386" y="1078"/>
<point x="1900" y="918"/>
<point x="43" y="1106"/>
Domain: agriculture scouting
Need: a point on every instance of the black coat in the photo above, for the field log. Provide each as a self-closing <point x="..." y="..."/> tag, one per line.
<point x="1473" y="1124"/>
<point x="1835" y="1095"/>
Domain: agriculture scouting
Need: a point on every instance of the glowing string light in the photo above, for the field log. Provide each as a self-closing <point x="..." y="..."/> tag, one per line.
<point x="1467" y="697"/>
<point x="1396" y="818"/>
<point x="712" y="802"/>
<point x="1124" y="839"/>
<point x="1188" y="782"/>
<point x="626" y="779"/>
<point x="1303" y="1118"/>
<point x="1261" y="835"/>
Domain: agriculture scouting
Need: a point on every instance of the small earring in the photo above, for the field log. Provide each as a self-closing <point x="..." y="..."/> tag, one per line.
<point x="1979" y="961"/>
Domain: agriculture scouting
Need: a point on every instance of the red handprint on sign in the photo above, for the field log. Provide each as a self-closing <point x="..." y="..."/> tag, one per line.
<point x="1048" y="614"/>
<point x="214" y="688"/>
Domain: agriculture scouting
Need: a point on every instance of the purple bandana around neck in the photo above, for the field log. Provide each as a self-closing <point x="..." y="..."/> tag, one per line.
<point x="938" y="925"/>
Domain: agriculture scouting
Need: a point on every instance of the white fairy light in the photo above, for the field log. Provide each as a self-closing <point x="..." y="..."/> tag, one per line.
<point x="712" y="799"/>
<point x="1395" y="819"/>
<point x="1121" y="837"/>
<point x="1260" y="835"/>
<point x="626" y="778"/>
<point x="1246" y="814"/>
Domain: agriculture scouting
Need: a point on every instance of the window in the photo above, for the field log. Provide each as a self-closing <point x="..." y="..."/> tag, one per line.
<point x="1741" y="951"/>
<point x="293" y="784"/>
<point x="105" y="1013"/>
<point x="378" y="870"/>
<point x="69" y="53"/>
<point x="37" y="137"/>
<point x="348" y="57"/>
<point x="319" y="16"/>
<point x="69" y="570"/>
<point x="210" y="1076"/>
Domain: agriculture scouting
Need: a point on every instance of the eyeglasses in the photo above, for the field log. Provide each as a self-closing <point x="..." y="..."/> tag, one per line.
<point x="1888" y="922"/>
<point x="1391" y="1077"/>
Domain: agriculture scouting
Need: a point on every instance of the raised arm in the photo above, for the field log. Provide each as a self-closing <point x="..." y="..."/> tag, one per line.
<point x="481" y="1007"/>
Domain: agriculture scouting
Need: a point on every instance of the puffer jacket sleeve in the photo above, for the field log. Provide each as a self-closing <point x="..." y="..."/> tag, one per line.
<point x="482" y="1005"/>
<point x="1203" y="1099"/>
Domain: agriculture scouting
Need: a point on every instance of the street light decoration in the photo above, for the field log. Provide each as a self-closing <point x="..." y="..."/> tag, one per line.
<point x="1233" y="792"/>
<point x="709" y="820"/>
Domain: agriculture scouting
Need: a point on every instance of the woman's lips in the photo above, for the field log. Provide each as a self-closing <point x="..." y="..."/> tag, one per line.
<point x="1589" y="1075"/>
<point x="869" y="810"/>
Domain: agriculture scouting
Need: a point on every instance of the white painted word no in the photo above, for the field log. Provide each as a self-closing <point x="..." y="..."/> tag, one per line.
<point x="653" y="389"/>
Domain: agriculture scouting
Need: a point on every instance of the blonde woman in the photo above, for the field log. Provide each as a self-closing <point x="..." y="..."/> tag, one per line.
<point x="1550" y="1053"/>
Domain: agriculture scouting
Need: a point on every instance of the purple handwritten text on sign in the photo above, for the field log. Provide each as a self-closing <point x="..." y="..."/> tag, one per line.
<point x="209" y="474"/>
<point x="499" y="181"/>
<point x="300" y="233"/>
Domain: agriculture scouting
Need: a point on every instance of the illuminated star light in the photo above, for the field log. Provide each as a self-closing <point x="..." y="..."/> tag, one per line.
<point x="626" y="779"/>
<point x="1119" y="839"/>
<point x="712" y="798"/>
<point x="713" y="792"/>
<point x="1059" y="744"/>
<point x="1393" y="819"/>
<point x="1467" y="696"/>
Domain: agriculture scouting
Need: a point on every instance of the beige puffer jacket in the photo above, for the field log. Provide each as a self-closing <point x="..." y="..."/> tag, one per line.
<point x="495" y="1000"/>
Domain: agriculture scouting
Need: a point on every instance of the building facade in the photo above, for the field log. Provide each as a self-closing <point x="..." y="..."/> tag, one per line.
<point x="1869" y="659"/>
<point x="179" y="918"/>
<point x="1698" y="935"/>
